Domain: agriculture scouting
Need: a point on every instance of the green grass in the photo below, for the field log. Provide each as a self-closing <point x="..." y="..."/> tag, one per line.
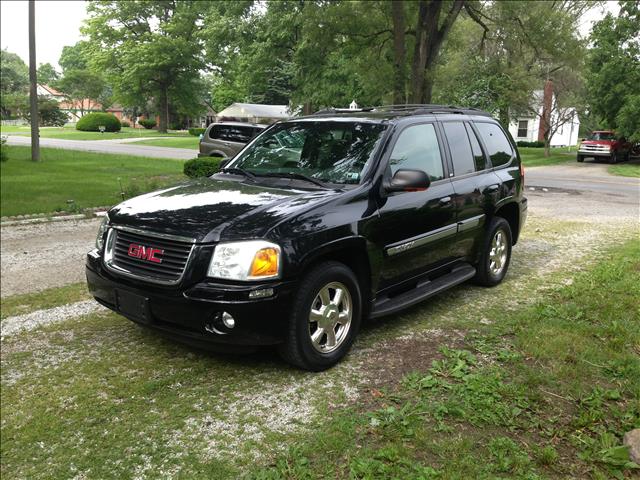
<point x="190" y="142"/>
<point x="547" y="391"/>
<point x="89" y="179"/>
<point x="625" y="169"/>
<point x="534" y="157"/>
<point x="70" y="133"/>
<point x="51" y="297"/>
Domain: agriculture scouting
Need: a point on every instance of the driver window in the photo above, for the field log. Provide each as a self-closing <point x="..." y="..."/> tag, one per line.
<point x="417" y="149"/>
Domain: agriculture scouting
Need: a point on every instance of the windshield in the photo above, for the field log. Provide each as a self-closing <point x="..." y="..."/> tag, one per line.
<point x="333" y="152"/>
<point x="602" y="136"/>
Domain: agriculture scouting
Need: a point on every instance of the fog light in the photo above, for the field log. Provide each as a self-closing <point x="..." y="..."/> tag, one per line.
<point x="265" y="292"/>
<point x="228" y="320"/>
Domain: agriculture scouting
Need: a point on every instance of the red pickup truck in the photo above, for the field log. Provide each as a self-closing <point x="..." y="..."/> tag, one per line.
<point x="604" y="143"/>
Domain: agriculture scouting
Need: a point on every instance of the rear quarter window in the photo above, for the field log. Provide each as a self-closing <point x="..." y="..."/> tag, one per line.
<point x="498" y="146"/>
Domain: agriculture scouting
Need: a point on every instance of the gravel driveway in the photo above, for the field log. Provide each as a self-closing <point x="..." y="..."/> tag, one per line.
<point x="35" y="257"/>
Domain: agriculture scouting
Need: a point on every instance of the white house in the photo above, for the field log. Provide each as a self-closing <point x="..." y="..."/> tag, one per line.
<point x="527" y="127"/>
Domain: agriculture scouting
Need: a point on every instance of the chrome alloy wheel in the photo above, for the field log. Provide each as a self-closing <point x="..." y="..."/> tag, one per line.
<point x="330" y="317"/>
<point x="498" y="253"/>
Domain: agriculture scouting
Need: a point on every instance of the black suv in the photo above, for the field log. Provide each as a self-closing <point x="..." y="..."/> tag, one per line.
<point x="318" y="223"/>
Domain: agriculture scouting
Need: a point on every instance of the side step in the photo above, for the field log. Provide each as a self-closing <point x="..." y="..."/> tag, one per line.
<point x="386" y="306"/>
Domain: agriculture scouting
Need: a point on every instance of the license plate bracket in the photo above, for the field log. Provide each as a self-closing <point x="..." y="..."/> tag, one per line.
<point x="133" y="306"/>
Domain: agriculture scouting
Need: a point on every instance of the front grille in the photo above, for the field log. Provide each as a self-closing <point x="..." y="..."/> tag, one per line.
<point x="173" y="258"/>
<point x="595" y="148"/>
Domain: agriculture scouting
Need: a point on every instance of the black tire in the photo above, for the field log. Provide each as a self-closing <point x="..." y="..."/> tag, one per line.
<point x="613" y="158"/>
<point x="485" y="275"/>
<point x="298" y="348"/>
<point x="580" y="158"/>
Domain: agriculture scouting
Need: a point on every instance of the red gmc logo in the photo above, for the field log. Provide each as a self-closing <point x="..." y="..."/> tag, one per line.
<point x="145" y="253"/>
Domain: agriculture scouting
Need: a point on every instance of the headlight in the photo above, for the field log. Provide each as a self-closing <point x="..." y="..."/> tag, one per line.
<point x="250" y="260"/>
<point x="104" y="226"/>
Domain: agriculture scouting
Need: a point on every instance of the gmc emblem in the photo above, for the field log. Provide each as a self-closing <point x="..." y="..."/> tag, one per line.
<point x="145" y="253"/>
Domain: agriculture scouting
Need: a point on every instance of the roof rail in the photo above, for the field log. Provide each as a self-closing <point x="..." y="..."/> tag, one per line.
<point x="409" y="108"/>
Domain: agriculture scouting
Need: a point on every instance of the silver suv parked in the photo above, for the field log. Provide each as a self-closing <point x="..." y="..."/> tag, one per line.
<point x="225" y="139"/>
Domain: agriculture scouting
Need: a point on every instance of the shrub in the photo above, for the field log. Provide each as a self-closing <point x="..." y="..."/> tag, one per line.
<point x="125" y="124"/>
<point x="92" y="122"/>
<point x="49" y="113"/>
<point x="202" y="167"/>
<point x="196" y="132"/>
<point x="147" y="123"/>
<point x="3" y="150"/>
<point x="530" y="144"/>
<point x="175" y="126"/>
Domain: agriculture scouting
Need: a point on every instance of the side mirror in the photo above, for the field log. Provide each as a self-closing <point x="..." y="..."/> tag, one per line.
<point x="406" y="180"/>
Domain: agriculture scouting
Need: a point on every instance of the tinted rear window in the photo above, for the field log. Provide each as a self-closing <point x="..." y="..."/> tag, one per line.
<point x="233" y="133"/>
<point x="498" y="146"/>
<point x="459" y="147"/>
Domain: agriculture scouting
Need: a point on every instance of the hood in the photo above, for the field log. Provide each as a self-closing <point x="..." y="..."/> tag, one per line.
<point x="210" y="209"/>
<point x="598" y="142"/>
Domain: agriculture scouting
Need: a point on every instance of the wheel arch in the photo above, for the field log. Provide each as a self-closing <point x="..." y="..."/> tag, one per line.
<point x="511" y="213"/>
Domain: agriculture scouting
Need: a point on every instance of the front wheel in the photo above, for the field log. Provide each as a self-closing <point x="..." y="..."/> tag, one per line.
<point x="613" y="158"/>
<point x="495" y="254"/>
<point x="325" y="318"/>
<point x="580" y="158"/>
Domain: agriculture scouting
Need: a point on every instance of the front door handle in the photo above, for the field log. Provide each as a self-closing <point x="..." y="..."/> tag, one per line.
<point x="444" y="201"/>
<point x="491" y="188"/>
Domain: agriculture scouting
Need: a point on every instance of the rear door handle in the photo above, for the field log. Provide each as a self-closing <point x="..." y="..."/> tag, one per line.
<point x="491" y="188"/>
<point x="445" y="201"/>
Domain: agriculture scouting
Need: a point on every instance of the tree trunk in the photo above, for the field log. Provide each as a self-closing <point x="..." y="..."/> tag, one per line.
<point x="547" y="147"/>
<point x="430" y="33"/>
<point x="33" y="87"/>
<point x="164" y="109"/>
<point x="399" y="53"/>
<point x="503" y="117"/>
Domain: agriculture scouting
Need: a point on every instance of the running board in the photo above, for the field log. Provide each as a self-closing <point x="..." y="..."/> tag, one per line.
<point x="428" y="288"/>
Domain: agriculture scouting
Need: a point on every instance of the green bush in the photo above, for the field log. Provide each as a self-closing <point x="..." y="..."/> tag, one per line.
<point x="92" y="122"/>
<point x="147" y="123"/>
<point x="202" y="167"/>
<point x="196" y="132"/>
<point x="125" y="124"/>
<point x="3" y="150"/>
<point x="530" y="144"/>
<point x="175" y="126"/>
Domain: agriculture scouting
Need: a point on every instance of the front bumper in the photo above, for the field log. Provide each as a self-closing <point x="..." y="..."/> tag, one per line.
<point x="595" y="153"/>
<point x="191" y="314"/>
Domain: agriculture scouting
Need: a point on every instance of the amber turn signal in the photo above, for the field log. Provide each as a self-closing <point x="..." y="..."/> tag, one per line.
<point x="265" y="263"/>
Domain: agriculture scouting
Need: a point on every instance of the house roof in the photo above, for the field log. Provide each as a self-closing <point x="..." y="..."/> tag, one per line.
<point x="51" y="90"/>
<point x="243" y="110"/>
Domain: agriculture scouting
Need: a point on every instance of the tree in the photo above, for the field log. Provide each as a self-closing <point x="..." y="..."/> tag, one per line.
<point x="33" y="84"/>
<point x="14" y="83"/>
<point x="81" y="87"/>
<point x="75" y="57"/>
<point x="49" y="113"/>
<point x="47" y="74"/>
<point x="614" y="70"/>
<point x="148" y="49"/>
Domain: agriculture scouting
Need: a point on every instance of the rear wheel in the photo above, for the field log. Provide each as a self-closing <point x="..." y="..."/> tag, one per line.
<point x="325" y="318"/>
<point x="495" y="254"/>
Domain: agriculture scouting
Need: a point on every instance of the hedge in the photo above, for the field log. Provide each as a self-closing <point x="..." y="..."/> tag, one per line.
<point x="147" y="123"/>
<point x="202" y="167"/>
<point x="196" y="132"/>
<point x="92" y="122"/>
<point x="530" y="144"/>
<point x="125" y="124"/>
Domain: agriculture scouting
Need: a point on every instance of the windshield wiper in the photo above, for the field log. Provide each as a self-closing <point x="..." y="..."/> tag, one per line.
<point x="296" y="176"/>
<point x="233" y="170"/>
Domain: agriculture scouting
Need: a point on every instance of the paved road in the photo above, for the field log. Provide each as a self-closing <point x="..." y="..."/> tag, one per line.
<point x="587" y="176"/>
<point x="109" y="146"/>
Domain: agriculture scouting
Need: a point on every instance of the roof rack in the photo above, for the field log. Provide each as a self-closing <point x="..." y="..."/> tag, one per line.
<point x="409" y="108"/>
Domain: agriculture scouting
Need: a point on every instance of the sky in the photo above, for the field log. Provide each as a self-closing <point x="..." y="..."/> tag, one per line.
<point x="58" y="24"/>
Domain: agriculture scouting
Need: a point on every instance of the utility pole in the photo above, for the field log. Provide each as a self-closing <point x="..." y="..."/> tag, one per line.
<point x="33" y="90"/>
